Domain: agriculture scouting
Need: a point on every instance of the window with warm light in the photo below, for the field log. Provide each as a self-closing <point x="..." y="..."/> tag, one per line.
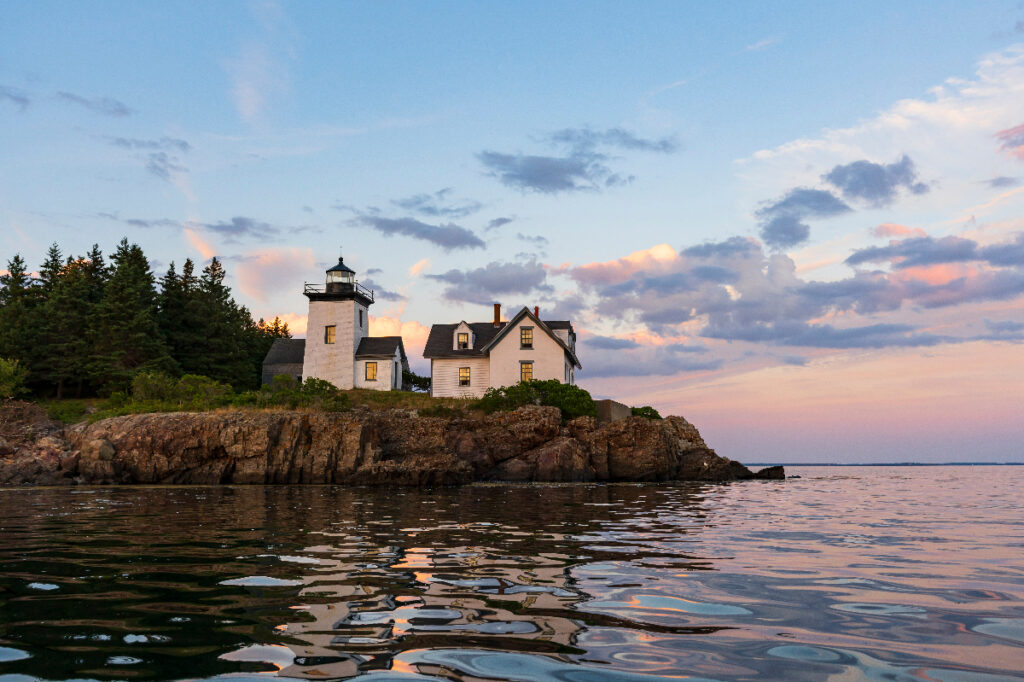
<point x="329" y="333"/>
<point x="526" y="337"/>
<point x="463" y="376"/>
<point x="526" y="371"/>
<point x="371" y="371"/>
<point x="463" y="340"/>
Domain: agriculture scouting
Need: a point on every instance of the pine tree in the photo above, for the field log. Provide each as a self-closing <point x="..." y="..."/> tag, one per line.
<point x="66" y="350"/>
<point x="17" y="313"/>
<point x="221" y="350"/>
<point x="172" y="309"/>
<point x="125" y="335"/>
<point x="50" y="270"/>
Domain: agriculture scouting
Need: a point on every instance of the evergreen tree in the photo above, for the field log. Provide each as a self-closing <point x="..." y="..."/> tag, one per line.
<point x="17" y="313"/>
<point x="96" y="273"/>
<point x="173" y="316"/>
<point x="125" y="335"/>
<point x="51" y="269"/>
<point x="66" y="350"/>
<point x="222" y="351"/>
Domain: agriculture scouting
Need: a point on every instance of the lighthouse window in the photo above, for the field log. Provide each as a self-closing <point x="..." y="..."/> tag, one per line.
<point x="463" y="376"/>
<point x="371" y="371"/>
<point x="329" y="333"/>
<point x="463" y="340"/>
<point x="360" y="318"/>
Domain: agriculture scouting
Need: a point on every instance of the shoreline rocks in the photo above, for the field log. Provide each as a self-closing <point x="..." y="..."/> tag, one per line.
<point x="362" y="447"/>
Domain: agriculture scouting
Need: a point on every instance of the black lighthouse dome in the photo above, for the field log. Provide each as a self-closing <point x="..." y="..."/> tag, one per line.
<point x="340" y="274"/>
<point x="341" y="284"/>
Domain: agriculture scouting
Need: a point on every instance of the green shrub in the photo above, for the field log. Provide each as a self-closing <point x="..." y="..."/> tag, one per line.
<point x="441" y="411"/>
<point x="67" y="411"/>
<point x="646" y="411"/>
<point x="195" y="388"/>
<point x="191" y="390"/>
<point x="285" y="391"/>
<point x="12" y="379"/>
<point x="573" y="401"/>
<point x="417" y="382"/>
<point x="152" y="386"/>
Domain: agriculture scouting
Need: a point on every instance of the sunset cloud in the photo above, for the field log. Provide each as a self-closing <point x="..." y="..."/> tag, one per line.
<point x="1011" y="140"/>
<point x="265" y="272"/>
<point x="204" y="248"/>
<point x="896" y="230"/>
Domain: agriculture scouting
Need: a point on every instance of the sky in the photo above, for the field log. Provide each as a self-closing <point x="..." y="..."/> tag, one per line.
<point x="799" y="225"/>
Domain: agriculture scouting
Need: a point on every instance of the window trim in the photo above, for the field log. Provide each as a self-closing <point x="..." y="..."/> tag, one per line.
<point x="366" y="370"/>
<point x="523" y="332"/>
<point x="523" y="364"/>
<point x="459" y="342"/>
<point x="330" y="333"/>
<point x="468" y="377"/>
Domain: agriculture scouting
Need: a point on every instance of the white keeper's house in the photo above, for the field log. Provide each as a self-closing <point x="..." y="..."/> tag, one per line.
<point x="338" y="347"/>
<point x="467" y="358"/>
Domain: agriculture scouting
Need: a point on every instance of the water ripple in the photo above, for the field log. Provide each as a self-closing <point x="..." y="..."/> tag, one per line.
<point x="846" y="573"/>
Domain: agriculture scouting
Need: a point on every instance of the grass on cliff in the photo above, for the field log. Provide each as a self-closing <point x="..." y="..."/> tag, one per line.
<point x="155" y="392"/>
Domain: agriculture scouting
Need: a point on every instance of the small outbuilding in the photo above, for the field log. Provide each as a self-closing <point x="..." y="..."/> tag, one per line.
<point x="284" y="357"/>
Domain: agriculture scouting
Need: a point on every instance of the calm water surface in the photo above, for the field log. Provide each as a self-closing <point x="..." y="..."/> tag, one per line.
<point x="879" y="573"/>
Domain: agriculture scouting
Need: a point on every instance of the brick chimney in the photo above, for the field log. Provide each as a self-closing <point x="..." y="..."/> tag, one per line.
<point x="497" y="314"/>
<point x="536" y="311"/>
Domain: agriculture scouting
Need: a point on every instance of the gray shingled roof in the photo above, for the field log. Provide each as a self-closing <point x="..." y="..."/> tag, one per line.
<point x="439" y="343"/>
<point x="285" y="352"/>
<point x="525" y="312"/>
<point x="374" y="346"/>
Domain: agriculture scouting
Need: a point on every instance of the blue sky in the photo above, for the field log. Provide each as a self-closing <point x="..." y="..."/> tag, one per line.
<point x="767" y="218"/>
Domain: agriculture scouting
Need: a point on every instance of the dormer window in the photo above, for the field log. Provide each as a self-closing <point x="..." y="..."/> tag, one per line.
<point x="526" y="337"/>
<point x="462" y="341"/>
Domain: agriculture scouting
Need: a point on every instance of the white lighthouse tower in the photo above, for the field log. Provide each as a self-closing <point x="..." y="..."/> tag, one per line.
<point x="338" y="321"/>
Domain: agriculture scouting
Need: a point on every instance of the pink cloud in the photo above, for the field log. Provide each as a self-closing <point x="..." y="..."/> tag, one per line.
<point x="414" y="335"/>
<point x="896" y="230"/>
<point x="936" y="275"/>
<point x="199" y="244"/>
<point x="296" y="322"/>
<point x="1012" y="140"/>
<point x="265" y="271"/>
<point x="658" y="258"/>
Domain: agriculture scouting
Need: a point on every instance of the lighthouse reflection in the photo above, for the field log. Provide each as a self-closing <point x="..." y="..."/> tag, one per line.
<point x="384" y="588"/>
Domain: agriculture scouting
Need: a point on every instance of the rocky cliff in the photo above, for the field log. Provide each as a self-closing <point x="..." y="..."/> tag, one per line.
<point x="362" y="448"/>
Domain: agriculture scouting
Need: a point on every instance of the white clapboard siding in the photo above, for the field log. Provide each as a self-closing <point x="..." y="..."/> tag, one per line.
<point x="444" y="375"/>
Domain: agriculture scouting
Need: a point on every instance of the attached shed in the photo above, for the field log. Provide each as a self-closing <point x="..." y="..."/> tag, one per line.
<point x="380" y="363"/>
<point x="284" y="357"/>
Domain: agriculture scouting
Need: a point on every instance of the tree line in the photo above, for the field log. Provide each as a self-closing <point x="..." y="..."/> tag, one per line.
<point x="86" y="327"/>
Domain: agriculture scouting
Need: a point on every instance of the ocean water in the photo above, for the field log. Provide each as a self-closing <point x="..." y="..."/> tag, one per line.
<point x="847" y="573"/>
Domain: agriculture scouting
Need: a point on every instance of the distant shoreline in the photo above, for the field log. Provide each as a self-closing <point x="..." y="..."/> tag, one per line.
<point x="889" y="464"/>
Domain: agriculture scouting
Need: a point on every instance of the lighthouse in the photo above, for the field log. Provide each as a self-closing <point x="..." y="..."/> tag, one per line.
<point x="338" y="322"/>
